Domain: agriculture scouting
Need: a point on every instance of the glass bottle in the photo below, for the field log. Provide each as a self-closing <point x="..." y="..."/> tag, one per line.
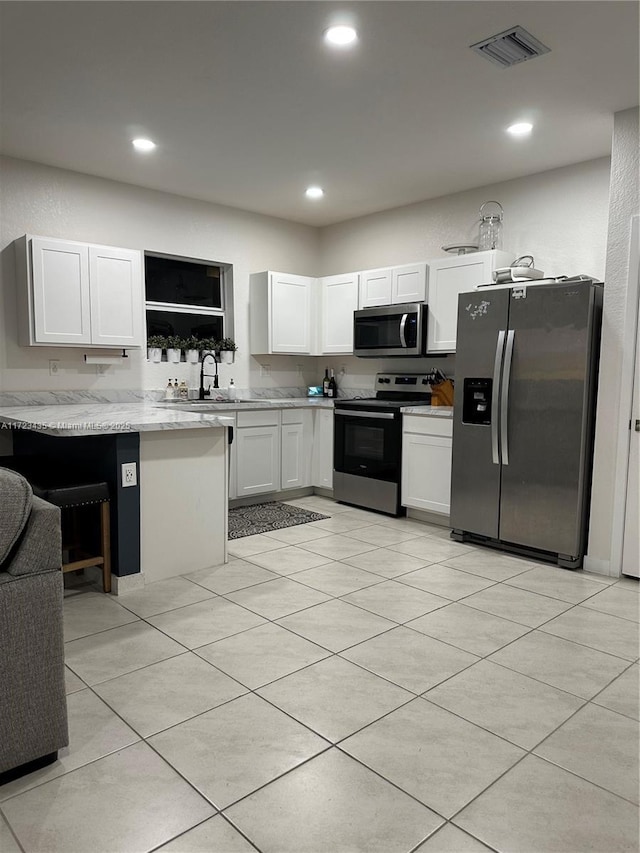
<point x="490" y="236"/>
<point x="325" y="383"/>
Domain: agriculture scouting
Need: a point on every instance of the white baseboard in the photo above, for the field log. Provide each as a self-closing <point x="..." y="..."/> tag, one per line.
<point x="127" y="583"/>
<point x="429" y="517"/>
<point x="599" y="567"/>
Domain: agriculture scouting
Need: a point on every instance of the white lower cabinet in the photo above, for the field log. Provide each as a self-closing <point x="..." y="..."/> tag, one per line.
<point x="257" y="452"/>
<point x="323" y="449"/>
<point x="296" y="439"/>
<point x="258" y="460"/>
<point x="271" y="451"/>
<point x="426" y="463"/>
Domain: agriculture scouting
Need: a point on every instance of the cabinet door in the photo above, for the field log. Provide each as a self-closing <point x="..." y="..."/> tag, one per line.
<point x="339" y="299"/>
<point x="293" y="457"/>
<point x="257" y="460"/>
<point x="323" y="449"/>
<point x="447" y="279"/>
<point x="290" y="306"/>
<point x="115" y="277"/>
<point x="375" y="288"/>
<point x="60" y="281"/>
<point x="426" y="472"/>
<point x="409" y="284"/>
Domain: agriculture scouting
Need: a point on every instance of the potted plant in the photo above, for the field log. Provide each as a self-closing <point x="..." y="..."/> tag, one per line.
<point x="155" y="345"/>
<point x="227" y="350"/>
<point x="206" y="345"/>
<point x="191" y="348"/>
<point x="174" y="348"/>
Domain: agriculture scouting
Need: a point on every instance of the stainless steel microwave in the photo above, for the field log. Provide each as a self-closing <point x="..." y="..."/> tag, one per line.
<point x="390" y="330"/>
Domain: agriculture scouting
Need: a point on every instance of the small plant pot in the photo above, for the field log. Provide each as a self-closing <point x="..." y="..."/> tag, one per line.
<point x="192" y="356"/>
<point x="173" y="356"/>
<point x="154" y="354"/>
<point x="227" y="356"/>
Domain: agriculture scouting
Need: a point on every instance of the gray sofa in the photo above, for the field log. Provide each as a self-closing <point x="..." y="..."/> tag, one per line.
<point x="33" y="708"/>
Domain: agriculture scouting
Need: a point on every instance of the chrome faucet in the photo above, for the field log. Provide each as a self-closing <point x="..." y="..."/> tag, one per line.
<point x="202" y="393"/>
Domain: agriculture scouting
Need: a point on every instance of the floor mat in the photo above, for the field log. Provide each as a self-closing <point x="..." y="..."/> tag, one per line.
<point x="261" y="518"/>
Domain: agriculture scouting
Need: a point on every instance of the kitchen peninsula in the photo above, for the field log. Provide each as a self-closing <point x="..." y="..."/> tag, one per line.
<point x="173" y="517"/>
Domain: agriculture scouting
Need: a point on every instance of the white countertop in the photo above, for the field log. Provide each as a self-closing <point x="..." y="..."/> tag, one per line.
<point x="113" y="418"/>
<point x="429" y="411"/>
<point x="243" y="405"/>
<point x="105" y="418"/>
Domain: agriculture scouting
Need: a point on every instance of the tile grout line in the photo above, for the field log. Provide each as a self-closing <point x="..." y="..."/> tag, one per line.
<point x="338" y="654"/>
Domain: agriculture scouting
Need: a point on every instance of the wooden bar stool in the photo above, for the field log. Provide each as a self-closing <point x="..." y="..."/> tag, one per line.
<point x="71" y="499"/>
<point x="72" y="493"/>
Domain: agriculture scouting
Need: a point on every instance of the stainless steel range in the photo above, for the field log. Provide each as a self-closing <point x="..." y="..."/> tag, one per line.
<point x="367" y="457"/>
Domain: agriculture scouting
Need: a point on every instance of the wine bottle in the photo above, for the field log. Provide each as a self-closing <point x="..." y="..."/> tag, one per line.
<point x="333" y="388"/>
<point x="325" y="383"/>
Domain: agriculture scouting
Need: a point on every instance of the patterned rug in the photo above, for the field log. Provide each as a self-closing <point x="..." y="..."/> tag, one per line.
<point x="261" y="518"/>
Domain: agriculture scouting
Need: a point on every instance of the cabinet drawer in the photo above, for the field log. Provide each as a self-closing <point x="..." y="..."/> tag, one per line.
<point x="259" y="417"/>
<point x="292" y="416"/>
<point x="425" y="425"/>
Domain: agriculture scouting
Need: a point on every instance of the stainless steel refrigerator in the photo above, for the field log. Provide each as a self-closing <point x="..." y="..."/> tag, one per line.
<point x="525" y="392"/>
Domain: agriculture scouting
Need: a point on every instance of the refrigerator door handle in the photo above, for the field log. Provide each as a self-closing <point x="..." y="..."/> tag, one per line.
<point x="403" y="323"/>
<point x="504" y="398"/>
<point x="495" y="405"/>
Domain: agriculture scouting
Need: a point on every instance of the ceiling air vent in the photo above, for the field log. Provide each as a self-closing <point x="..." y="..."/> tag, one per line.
<point x="510" y="47"/>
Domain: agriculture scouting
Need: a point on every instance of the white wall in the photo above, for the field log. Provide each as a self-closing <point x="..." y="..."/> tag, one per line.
<point x="559" y="217"/>
<point x="624" y="203"/>
<point x="53" y="202"/>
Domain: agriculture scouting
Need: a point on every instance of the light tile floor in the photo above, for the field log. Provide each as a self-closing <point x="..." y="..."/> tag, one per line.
<point x="355" y="685"/>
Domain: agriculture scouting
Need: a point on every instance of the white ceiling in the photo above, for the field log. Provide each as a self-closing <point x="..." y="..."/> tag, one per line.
<point x="248" y="106"/>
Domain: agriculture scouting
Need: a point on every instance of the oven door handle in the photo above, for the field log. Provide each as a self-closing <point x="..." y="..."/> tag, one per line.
<point x="403" y="323"/>
<point x="387" y="416"/>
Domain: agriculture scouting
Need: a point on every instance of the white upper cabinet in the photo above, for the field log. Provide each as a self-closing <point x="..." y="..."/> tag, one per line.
<point x="290" y="309"/>
<point x="60" y="292"/>
<point x="76" y="294"/>
<point x="409" y="284"/>
<point x="116" y="296"/>
<point x="282" y="311"/>
<point x="375" y="288"/>
<point x="393" y="286"/>
<point x="338" y="301"/>
<point x="448" y="277"/>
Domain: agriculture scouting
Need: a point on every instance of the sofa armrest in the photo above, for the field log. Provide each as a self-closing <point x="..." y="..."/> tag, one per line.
<point x="40" y="548"/>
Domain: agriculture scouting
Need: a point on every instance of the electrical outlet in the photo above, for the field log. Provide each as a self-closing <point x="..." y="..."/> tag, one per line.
<point x="129" y="474"/>
<point x="265" y="370"/>
<point x="101" y="369"/>
<point x="54" y="367"/>
<point x="343" y="370"/>
<point x="300" y="369"/>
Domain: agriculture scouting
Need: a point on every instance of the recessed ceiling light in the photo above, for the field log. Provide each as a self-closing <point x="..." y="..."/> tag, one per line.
<point x="341" y="35"/>
<point x="521" y="128"/>
<point x="143" y="144"/>
<point x="314" y="192"/>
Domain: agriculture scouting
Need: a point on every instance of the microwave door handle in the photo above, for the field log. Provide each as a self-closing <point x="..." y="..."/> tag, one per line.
<point x="504" y="395"/>
<point x="403" y="323"/>
<point x="495" y="405"/>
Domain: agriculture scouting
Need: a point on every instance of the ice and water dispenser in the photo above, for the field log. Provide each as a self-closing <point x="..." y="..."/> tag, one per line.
<point x="476" y="401"/>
